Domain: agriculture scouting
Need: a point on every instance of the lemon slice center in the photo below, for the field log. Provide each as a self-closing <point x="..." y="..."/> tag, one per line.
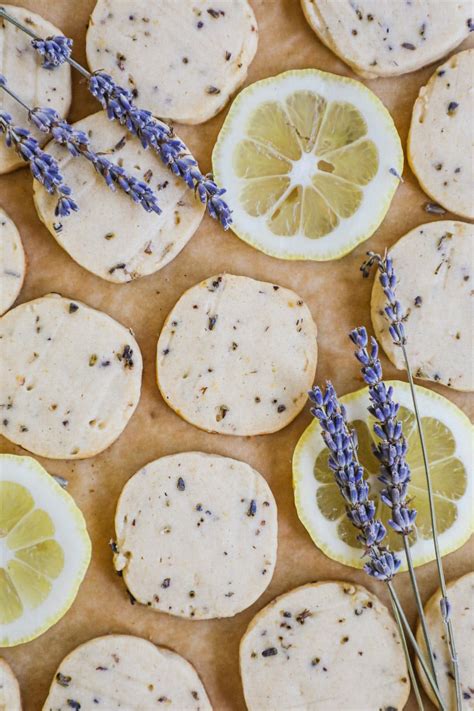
<point x="448" y="476"/>
<point x="30" y="557"/>
<point x="304" y="163"/>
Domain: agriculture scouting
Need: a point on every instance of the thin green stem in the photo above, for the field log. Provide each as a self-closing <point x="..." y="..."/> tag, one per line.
<point x="415" y="646"/>
<point x="14" y="21"/>
<point x="7" y="90"/>
<point x="419" y="605"/>
<point x="434" y="528"/>
<point x="411" y="671"/>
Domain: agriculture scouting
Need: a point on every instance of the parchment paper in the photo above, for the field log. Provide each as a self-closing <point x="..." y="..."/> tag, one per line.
<point x="339" y="300"/>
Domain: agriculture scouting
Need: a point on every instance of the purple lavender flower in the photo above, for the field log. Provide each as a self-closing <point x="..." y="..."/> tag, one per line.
<point x="388" y="281"/>
<point x="78" y="144"/>
<point x="349" y="476"/>
<point x="392" y="448"/>
<point x="43" y="166"/>
<point x="118" y="103"/>
<point x="54" y="50"/>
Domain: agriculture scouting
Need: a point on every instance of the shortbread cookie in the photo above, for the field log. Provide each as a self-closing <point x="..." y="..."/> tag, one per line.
<point x="9" y="689"/>
<point x="110" y="235"/>
<point x="196" y="535"/>
<point x="237" y="356"/>
<point x="71" y="378"/>
<point x="461" y="597"/>
<point x="181" y="60"/>
<point x="435" y="270"/>
<point x="21" y="65"/>
<point x="325" y="647"/>
<point x="440" y="143"/>
<point x="12" y="262"/>
<point x="125" y="672"/>
<point x="383" y="39"/>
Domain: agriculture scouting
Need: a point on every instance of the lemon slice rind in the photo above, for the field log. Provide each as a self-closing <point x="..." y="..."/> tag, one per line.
<point x="324" y="532"/>
<point x="70" y="533"/>
<point x="377" y="194"/>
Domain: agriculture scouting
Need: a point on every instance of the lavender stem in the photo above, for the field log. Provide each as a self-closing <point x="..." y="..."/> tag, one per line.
<point x="406" y="652"/>
<point x="414" y="644"/>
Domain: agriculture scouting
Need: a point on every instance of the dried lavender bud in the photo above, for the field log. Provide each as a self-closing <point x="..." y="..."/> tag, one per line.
<point x="54" y="50"/>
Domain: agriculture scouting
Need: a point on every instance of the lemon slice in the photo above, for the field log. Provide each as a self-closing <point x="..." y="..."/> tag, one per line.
<point x="448" y="435"/>
<point x="44" y="550"/>
<point x="310" y="161"/>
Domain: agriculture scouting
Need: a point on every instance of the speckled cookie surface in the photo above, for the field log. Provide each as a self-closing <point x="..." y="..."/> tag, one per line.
<point x="200" y="52"/>
<point x="71" y="378"/>
<point x="125" y="672"/>
<point x="237" y="356"/>
<point x="110" y="235"/>
<point x="461" y="597"/>
<point x="441" y="138"/>
<point x="21" y="65"/>
<point x="196" y="535"/>
<point x="435" y="267"/>
<point x="9" y="690"/>
<point x="325" y="647"/>
<point x="12" y="262"/>
<point x="382" y="39"/>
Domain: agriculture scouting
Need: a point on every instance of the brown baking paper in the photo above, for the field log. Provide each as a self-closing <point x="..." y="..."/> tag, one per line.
<point x="339" y="300"/>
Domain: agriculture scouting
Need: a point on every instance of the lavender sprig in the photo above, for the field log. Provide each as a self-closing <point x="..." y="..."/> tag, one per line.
<point x="360" y="509"/>
<point x="154" y="134"/>
<point x="118" y="103"/>
<point x="78" y="144"/>
<point x="391" y="451"/>
<point x="396" y="316"/>
<point x="54" y="50"/>
<point x="43" y="167"/>
<point x="392" y="446"/>
<point x="349" y="476"/>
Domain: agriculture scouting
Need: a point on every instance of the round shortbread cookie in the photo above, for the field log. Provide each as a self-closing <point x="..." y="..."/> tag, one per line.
<point x="325" y="646"/>
<point x="10" y="699"/>
<point x="125" y="672"/>
<point x="237" y="356"/>
<point x="12" y="262"/>
<point x="461" y="597"/>
<point x="110" y="235"/>
<point x="383" y="39"/>
<point x="196" y="535"/>
<point x="441" y="138"/>
<point x="434" y="266"/>
<point x="21" y="66"/>
<point x="71" y="378"/>
<point x="199" y="52"/>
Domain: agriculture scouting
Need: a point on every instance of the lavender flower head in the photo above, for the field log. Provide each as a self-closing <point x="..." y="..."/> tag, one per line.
<point x="43" y="166"/>
<point x="392" y="446"/>
<point x="118" y="103"/>
<point x="388" y="281"/>
<point x="349" y="476"/>
<point x="54" y="50"/>
<point x="78" y="144"/>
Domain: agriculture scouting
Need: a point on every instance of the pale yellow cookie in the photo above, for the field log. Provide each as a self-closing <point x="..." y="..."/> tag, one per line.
<point x="213" y="522"/>
<point x="71" y="378"/>
<point x="9" y="689"/>
<point x="440" y="144"/>
<point x="383" y="38"/>
<point x="181" y="59"/>
<point x="125" y="672"/>
<point x="237" y="356"/>
<point x="326" y="647"/>
<point x="434" y="264"/>
<point x="12" y="262"/>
